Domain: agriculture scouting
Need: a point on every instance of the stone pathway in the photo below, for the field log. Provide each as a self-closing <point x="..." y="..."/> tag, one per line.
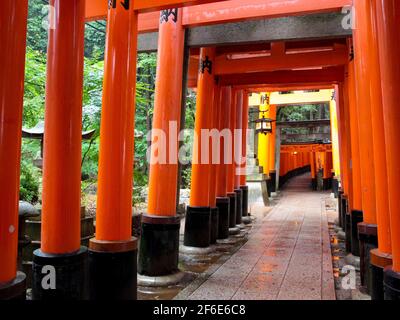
<point x="287" y="256"/>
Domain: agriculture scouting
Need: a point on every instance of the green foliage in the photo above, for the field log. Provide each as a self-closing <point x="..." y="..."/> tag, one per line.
<point x="30" y="179"/>
<point x="34" y="102"/>
<point x="35" y="79"/>
<point x="302" y="113"/>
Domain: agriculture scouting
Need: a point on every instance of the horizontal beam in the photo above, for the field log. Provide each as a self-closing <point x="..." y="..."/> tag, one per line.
<point x="216" y="12"/>
<point x="316" y="26"/>
<point x="282" y="61"/>
<point x="239" y="10"/>
<point x="305" y="147"/>
<point x="157" y="5"/>
<point x="304" y="124"/>
<point x="97" y="9"/>
<point x="283" y="87"/>
<point x="329" y="75"/>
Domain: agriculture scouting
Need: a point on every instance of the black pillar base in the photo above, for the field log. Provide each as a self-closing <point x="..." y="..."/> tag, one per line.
<point x="70" y="275"/>
<point x="239" y="206"/>
<point x="272" y="175"/>
<point x="335" y="187"/>
<point x="327" y="183"/>
<point x="314" y="184"/>
<point x="113" y="270"/>
<point x="159" y="246"/>
<point x="223" y="218"/>
<point x="197" y="227"/>
<point x="344" y="203"/>
<point x="232" y="210"/>
<point x="245" y="203"/>
<point x="368" y="237"/>
<point x="269" y="186"/>
<point x="347" y="230"/>
<point x="214" y="225"/>
<point x="391" y="282"/>
<point x="379" y="261"/>
<point x="15" y="289"/>
<point x="340" y="209"/>
<point x="356" y="218"/>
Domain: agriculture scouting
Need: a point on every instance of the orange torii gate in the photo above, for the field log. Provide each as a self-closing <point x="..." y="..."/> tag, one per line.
<point x="369" y="162"/>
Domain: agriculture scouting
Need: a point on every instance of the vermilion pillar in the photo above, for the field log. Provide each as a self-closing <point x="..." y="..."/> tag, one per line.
<point x="225" y="144"/>
<point x="159" y="245"/>
<point x="238" y="135"/>
<point x="314" y="184"/>
<point x="346" y="190"/>
<point x="243" y="177"/>
<point x="388" y="18"/>
<point x="214" y="160"/>
<point x="61" y="234"/>
<point x="342" y="114"/>
<point x="262" y="138"/>
<point x="231" y="168"/>
<point x="363" y="78"/>
<point x="370" y="233"/>
<point x="13" y="21"/>
<point x="336" y="150"/>
<point x="355" y="214"/>
<point x="113" y="251"/>
<point x="271" y="149"/>
<point x="198" y="215"/>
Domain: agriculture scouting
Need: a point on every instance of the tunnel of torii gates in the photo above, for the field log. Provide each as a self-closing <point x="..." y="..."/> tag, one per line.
<point x="241" y="47"/>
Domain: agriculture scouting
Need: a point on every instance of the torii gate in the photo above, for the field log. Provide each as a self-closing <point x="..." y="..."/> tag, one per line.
<point x="370" y="170"/>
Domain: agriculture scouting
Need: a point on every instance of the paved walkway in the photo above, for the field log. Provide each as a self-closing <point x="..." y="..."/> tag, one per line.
<point x="287" y="257"/>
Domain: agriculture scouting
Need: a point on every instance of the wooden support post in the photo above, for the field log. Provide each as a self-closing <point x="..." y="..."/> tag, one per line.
<point x="214" y="159"/>
<point x="198" y="214"/>
<point x="336" y="150"/>
<point x="231" y="168"/>
<point x="243" y="177"/>
<point x="13" y="22"/>
<point x="271" y="149"/>
<point x="364" y="115"/>
<point x="223" y="201"/>
<point x="387" y="20"/>
<point x="237" y="155"/>
<point x="112" y="256"/>
<point x="159" y="246"/>
<point x="61" y="197"/>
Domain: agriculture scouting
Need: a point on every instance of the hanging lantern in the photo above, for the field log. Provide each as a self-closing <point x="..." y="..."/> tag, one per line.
<point x="264" y="125"/>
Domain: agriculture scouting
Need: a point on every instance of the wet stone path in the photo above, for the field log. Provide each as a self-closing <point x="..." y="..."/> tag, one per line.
<point x="287" y="255"/>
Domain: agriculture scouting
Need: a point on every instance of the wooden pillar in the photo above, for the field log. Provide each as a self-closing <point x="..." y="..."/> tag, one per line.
<point x="343" y="112"/>
<point x="198" y="215"/>
<point x="159" y="247"/>
<point x="61" y="196"/>
<point x="336" y="150"/>
<point x="243" y="177"/>
<point x="388" y="18"/>
<point x="369" y="98"/>
<point x="225" y="144"/>
<point x="364" y="115"/>
<point x="314" y="183"/>
<point x="237" y="158"/>
<point x="271" y="149"/>
<point x="231" y="168"/>
<point x="262" y="138"/>
<point x="355" y="148"/>
<point x="112" y="257"/>
<point x="214" y="160"/>
<point x="13" y="22"/>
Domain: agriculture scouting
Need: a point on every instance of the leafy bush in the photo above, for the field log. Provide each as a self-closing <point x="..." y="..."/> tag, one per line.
<point x="30" y="179"/>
